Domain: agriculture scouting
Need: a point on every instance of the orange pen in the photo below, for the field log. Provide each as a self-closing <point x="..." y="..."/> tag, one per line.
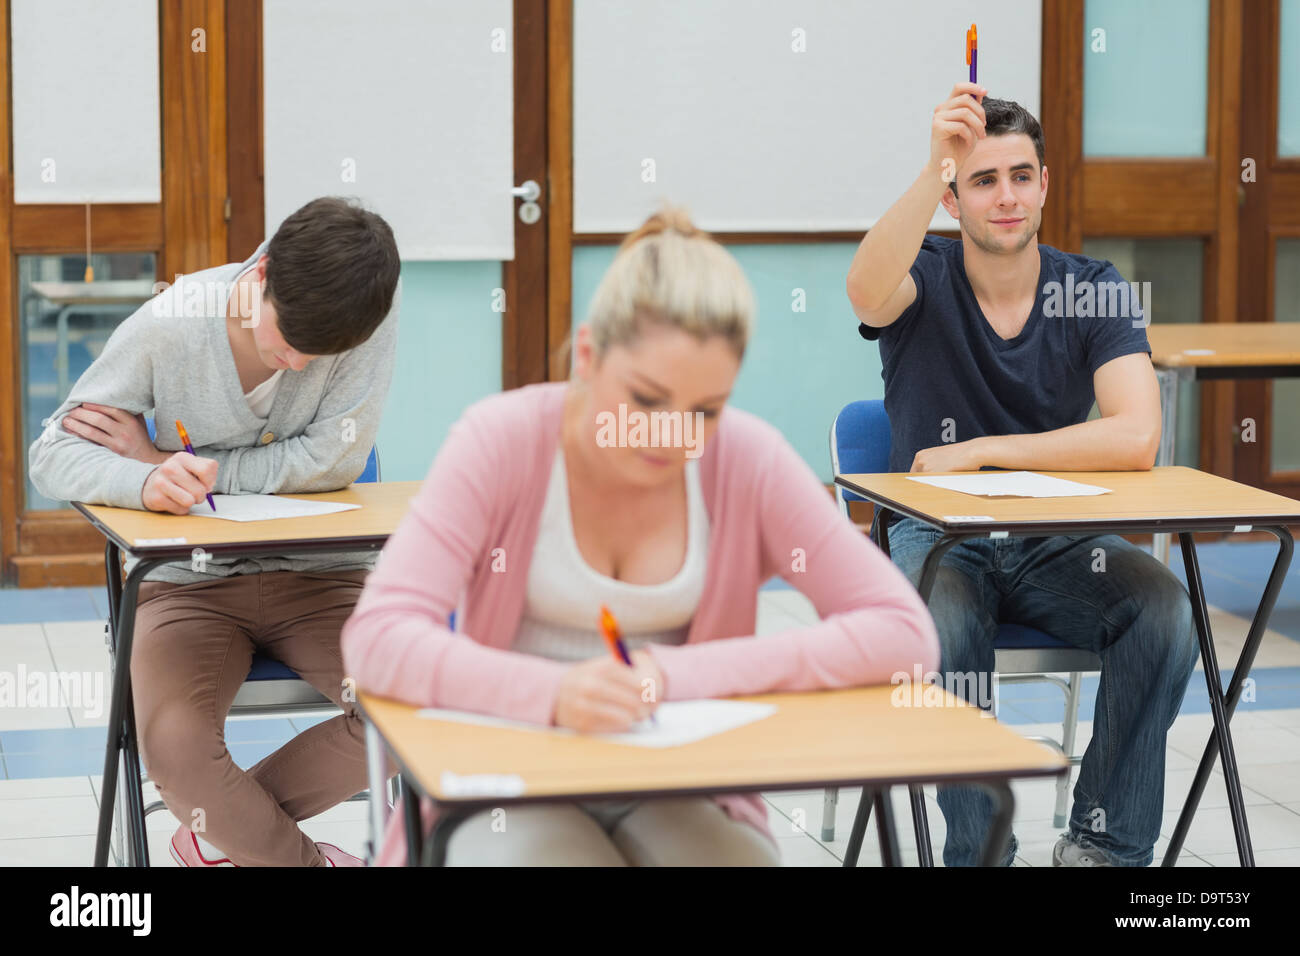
<point x="972" y="50"/>
<point x="609" y="628"/>
<point x="185" y="440"/>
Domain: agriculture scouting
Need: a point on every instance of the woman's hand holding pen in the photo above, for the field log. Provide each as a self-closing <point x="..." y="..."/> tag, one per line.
<point x="605" y="696"/>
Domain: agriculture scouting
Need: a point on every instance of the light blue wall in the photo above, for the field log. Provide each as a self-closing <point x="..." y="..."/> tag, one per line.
<point x="1288" y="81"/>
<point x="800" y="368"/>
<point x="448" y="357"/>
<point x="1146" y="94"/>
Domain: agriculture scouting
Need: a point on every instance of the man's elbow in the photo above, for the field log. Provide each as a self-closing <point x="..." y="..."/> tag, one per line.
<point x="1146" y="450"/>
<point x="860" y="298"/>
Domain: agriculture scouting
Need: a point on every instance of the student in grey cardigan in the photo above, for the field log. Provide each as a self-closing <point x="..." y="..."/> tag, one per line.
<point x="278" y="368"/>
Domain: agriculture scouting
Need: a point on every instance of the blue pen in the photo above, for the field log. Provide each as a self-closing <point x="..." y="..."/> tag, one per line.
<point x="185" y="440"/>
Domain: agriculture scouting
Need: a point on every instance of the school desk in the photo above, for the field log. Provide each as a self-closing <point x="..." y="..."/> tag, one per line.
<point x="1170" y="499"/>
<point x="1214" y="351"/>
<point x="157" y="539"/>
<point x="106" y="297"/>
<point x="835" y="738"/>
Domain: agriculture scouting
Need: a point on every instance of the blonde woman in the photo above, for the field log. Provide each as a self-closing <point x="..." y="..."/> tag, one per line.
<point x="548" y="501"/>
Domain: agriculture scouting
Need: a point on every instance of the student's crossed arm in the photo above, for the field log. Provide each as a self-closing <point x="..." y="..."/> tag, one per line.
<point x="99" y="458"/>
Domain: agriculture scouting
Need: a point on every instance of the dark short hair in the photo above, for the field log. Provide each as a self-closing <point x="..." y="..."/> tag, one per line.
<point x="331" y="273"/>
<point x="1005" y="117"/>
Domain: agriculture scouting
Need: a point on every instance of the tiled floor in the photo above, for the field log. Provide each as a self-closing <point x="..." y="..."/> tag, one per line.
<point x="51" y="756"/>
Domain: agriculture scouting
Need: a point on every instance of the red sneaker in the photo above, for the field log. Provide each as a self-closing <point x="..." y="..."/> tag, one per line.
<point x="336" y="857"/>
<point x="185" y="850"/>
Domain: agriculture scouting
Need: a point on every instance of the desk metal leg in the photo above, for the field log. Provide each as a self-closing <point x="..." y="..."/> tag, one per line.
<point x="1004" y="808"/>
<point x="1170" y="380"/>
<point x="414" y="827"/>
<point x="376" y="778"/>
<point x="435" y="849"/>
<point x="885" y="829"/>
<point x="859" y="831"/>
<point x="920" y="826"/>
<point x="121" y="733"/>
<point x="1222" y="732"/>
<point x="61" y="351"/>
<point x="1254" y="637"/>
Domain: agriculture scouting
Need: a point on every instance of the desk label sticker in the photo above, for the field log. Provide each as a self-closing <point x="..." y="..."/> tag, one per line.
<point x="482" y="784"/>
<point x="157" y="542"/>
<point x="955" y="518"/>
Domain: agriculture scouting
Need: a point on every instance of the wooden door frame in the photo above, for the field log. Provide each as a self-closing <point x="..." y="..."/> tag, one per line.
<point x="185" y="231"/>
<point x="1270" y="210"/>
<point x="524" y="344"/>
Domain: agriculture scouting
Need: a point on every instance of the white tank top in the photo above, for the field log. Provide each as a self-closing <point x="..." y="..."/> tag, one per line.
<point x="564" y="593"/>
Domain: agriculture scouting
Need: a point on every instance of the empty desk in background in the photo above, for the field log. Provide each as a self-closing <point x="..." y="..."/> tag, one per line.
<point x="1214" y="351"/>
<point x="107" y="296"/>
<point x="1172" y="500"/>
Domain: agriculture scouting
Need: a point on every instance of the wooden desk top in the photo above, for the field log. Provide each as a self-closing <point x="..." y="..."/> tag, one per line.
<point x="1175" y="345"/>
<point x="104" y="292"/>
<point x="840" y="737"/>
<point x="382" y="506"/>
<point x="1161" y="499"/>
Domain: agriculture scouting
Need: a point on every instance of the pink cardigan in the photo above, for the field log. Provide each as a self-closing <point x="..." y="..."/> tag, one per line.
<point x="768" y="515"/>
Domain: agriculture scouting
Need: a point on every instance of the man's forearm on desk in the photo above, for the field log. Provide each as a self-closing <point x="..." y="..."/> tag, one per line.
<point x="1103" y="444"/>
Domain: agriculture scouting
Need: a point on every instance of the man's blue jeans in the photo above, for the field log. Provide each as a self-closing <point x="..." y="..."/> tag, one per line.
<point x="1135" y="614"/>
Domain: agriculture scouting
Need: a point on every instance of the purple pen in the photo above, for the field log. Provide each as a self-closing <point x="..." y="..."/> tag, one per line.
<point x="185" y="440"/>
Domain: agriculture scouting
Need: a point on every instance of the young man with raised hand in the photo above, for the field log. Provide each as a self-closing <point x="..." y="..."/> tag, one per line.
<point x="278" y="368"/>
<point x="983" y="368"/>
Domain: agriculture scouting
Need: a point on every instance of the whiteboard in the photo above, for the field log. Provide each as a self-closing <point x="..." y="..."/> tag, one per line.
<point x="751" y="135"/>
<point x="85" y="101"/>
<point x="407" y="106"/>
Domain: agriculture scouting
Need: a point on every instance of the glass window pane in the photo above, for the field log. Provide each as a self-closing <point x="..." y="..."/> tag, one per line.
<point x="64" y="323"/>
<point x="1144" y="77"/>
<point x="1284" y="430"/>
<point x="1288" y="81"/>
<point x="1174" y="269"/>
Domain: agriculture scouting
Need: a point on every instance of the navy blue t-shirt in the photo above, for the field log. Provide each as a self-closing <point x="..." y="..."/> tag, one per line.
<point x="942" y="360"/>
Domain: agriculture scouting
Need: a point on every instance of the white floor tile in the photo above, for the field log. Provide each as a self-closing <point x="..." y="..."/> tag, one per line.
<point x="1272" y="827"/>
<point x="39" y="787"/>
<point x="24" y="655"/>
<point x="805" y="851"/>
<point x="48" y="851"/>
<point x="48" y="817"/>
<point x="1288" y="857"/>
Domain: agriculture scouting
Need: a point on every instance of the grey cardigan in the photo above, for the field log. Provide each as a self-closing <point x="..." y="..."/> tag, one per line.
<point x="172" y="358"/>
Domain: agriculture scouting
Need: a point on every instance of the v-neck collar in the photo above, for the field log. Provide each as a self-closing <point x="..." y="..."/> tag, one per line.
<point x="1035" y="311"/>
<point x="225" y="358"/>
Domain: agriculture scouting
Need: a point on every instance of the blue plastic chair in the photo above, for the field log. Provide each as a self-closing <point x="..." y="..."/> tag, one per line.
<point x="860" y="444"/>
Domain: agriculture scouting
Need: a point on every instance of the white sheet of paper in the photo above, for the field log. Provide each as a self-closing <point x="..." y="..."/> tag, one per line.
<point x="1025" y="484"/>
<point x="264" y="508"/>
<point x="676" y="723"/>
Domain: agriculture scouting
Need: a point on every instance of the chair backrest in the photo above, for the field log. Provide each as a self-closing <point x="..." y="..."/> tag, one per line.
<point x="371" y="471"/>
<point x="368" y="474"/>
<point x="859" y="444"/>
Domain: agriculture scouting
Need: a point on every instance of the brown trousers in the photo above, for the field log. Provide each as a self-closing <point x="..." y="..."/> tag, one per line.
<point x="193" y="647"/>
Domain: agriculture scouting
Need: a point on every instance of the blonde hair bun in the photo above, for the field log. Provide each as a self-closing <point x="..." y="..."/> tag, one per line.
<point x="670" y="272"/>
